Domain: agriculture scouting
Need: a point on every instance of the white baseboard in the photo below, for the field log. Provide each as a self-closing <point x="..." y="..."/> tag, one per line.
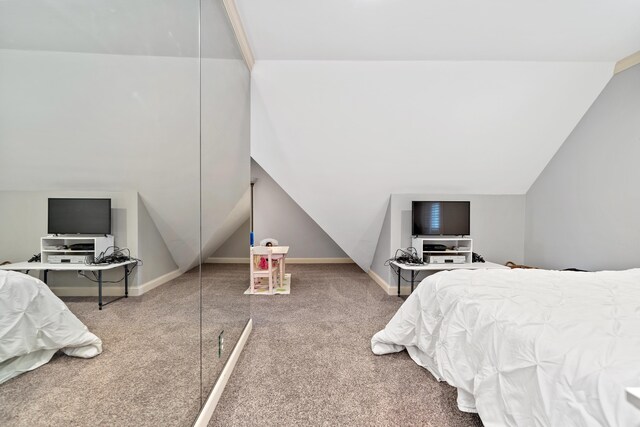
<point x="389" y="289"/>
<point x="114" y="290"/>
<point x="152" y="284"/>
<point x="212" y="400"/>
<point x="214" y="260"/>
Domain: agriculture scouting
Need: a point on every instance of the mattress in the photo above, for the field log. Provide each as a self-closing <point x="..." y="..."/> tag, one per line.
<point x="35" y="324"/>
<point x="527" y="347"/>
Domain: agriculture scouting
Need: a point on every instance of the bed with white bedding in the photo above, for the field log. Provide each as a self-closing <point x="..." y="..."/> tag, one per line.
<point x="527" y="347"/>
<point x="34" y="324"/>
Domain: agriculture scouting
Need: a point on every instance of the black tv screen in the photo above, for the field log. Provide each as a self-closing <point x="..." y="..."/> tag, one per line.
<point x="79" y="216"/>
<point x="441" y="218"/>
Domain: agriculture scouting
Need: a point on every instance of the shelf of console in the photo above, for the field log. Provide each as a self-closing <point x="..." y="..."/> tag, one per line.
<point x="64" y="251"/>
<point x="53" y="245"/>
<point x="447" y="245"/>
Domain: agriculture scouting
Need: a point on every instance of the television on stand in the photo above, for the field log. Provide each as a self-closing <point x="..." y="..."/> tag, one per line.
<point x="79" y="216"/>
<point x="441" y="218"/>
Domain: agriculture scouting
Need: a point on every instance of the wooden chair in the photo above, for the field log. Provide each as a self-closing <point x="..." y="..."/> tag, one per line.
<point x="271" y="273"/>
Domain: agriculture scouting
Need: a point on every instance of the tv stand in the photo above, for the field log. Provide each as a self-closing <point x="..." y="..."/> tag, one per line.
<point x="59" y="245"/>
<point x="455" y="246"/>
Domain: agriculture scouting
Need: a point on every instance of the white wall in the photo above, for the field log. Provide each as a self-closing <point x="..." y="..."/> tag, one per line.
<point x="583" y="210"/>
<point x="77" y="121"/>
<point x="278" y="216"/>
<point x="152" y="250"/>
<point x="384" y="250"/>
<point x="497" y="227"/>
<point x="340" y="136"/>
<point x="237" y="245"/>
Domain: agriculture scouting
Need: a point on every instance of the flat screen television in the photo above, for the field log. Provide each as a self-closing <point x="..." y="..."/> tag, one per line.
<point x="440" y="218"/>
<point x="79" y="216"/>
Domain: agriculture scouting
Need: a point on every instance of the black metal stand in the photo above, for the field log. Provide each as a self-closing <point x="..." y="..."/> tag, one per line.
<point x="99" y="289"/>
<point x="126" y="288"/>
<point x="413" y="278"/>
<point x="126" y="281"/>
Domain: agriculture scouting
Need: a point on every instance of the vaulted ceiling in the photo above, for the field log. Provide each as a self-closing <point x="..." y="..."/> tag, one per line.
<point x="341" y="136"/>
<point x="353" y="100"/>
<point x="540" y="30"/>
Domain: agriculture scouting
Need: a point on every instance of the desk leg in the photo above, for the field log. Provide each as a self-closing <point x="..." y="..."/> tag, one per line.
<point x="413" y="276"/>
<point x="399" y="277"/>
<point x="45" y="276"/>
<point x="126" y="281"/>
<point x="99" y="289"/>
<point x="282" y="272"/>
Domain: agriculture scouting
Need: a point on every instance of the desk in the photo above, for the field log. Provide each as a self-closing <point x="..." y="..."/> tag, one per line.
<point x="46" y="267"/>
<point x="274" y="253"/>
<point x="441" y="267"/>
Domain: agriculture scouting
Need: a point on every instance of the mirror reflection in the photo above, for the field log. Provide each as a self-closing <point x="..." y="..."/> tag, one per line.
<point x="116" y="136"/>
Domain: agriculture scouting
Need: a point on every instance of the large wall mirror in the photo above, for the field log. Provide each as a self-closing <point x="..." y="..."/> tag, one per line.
<point x="133" y="117"/>
<point x="225" y="176"/>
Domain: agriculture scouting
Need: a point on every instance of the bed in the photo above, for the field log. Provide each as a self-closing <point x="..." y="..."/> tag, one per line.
<point x="527" y="347"/>
<point x="35" y="324"/>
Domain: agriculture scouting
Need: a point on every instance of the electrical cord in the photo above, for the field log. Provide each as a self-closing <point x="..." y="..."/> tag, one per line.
<point x="395" y="270"/>
<point x="408" y="256"/>
<point x="117" y="256"/>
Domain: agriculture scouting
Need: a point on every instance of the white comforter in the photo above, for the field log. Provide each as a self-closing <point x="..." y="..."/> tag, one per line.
<point x="34" y="324"/>
<point x="527" y="347"/>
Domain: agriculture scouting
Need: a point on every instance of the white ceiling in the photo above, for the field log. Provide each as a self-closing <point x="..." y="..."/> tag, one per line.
<point x="340" y="136"/>
<point x="540" y="30"/>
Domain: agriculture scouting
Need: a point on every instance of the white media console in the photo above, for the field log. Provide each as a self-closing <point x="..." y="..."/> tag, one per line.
<point x="61" y="245"/>
<point x="455" y="247"/>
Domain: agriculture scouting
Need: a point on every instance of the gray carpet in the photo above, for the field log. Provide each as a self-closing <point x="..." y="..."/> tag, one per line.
<point x="309" y="362"/>
<point x="149" y="372"/>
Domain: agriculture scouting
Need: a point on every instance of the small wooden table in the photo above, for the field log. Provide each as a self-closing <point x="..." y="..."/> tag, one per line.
<point x="272" y="253"/>
<point x="46" y="267"/>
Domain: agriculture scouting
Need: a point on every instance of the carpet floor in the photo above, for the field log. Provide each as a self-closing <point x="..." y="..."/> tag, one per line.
<point x="308" y="361"/>
<point x="149" y="371"/>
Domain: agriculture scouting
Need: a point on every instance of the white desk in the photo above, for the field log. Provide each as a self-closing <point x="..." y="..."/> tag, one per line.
<point x="46" y="267"/>
<point x="440" y="267"/>
<point x="278" y="253"/>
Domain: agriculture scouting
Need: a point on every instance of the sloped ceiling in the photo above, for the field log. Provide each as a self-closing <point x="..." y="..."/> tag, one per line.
<point x="341" y="136"/>
<point x="355" y="99"/>
<point x="540" y="30"/>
